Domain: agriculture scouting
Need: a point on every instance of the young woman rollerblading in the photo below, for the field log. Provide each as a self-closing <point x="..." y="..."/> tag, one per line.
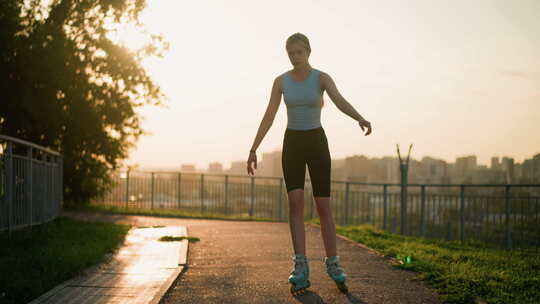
<point x="304" y="143"/>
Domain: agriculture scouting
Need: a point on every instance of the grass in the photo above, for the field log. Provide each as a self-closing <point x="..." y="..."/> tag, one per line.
<point x="169" y="238"/>
<point x="33" y="262"/>
<point x="461" y="273"/>
<point x="164" y="213"/>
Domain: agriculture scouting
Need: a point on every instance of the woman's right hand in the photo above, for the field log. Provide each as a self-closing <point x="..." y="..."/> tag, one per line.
<point x="365" y="124"/>
<point x="252" y="159"/>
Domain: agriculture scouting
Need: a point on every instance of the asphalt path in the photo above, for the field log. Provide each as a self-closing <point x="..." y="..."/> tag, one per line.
<point x="249" y="262"/>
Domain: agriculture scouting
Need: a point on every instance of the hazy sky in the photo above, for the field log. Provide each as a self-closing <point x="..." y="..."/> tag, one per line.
<point x="452" y="77"/>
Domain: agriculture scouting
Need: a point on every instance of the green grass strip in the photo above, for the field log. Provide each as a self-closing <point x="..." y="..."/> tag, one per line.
<point x="459" y="272"/>
<point x="35" y="261"/>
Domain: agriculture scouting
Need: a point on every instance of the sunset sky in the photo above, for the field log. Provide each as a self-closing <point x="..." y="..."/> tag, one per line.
<point x="452" y="77"/>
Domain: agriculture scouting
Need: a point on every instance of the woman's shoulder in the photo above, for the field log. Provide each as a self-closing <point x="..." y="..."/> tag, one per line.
<point x="322" y="73"/>
<point x="280" y="78"/>
<point x="278" y="81"/>
<point x="282" y="75"/>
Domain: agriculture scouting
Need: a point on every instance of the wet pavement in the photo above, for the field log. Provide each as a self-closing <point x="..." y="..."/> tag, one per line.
<point x="139" y="272"/>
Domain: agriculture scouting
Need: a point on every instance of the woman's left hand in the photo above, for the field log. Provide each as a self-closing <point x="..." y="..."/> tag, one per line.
<point x="365" y="124"/>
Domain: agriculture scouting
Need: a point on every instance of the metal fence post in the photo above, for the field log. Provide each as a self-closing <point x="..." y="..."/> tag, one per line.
<point x="29" y="185"/>
<point x="127" y="189"/>
<point x="346" y="203"/>
<point x="59" y="186"/>
<point x="385" y="204"/>
<point x="9" y="185"/>
<point x="462" y="213"/>
<point x="280" y="199"/>
<point x="226" y="195"/>
<point x="179" y="188"/>
<point x="61" y="180"/>
<point x="50" y="183"/>
<point x="404" y="169"/>
<point x="55" y="184"/>
<point x="422" y="210"/>
<point x="507" y="215"/>
<point x="152" y="191"/>
<point x="252" y="196"/>
<point x="202" y="193"/>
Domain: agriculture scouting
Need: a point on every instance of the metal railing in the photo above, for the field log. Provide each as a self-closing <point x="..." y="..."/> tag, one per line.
<point x="30" y="184"/>
<point x="506" y="215"/>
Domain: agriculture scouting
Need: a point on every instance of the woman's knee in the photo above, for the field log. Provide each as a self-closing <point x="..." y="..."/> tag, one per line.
<point x="296" y="200"/>
<point x="323" y="206"/>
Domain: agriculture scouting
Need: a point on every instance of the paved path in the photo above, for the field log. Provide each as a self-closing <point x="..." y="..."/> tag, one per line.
<point x="249" y="262"/>
<point x="139" y="272"/>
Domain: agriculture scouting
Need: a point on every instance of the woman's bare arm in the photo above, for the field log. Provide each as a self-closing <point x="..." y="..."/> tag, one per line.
<point x="269" y="115"/>
<point x="327" y="83"/>
<point x="343" y="105"/>
<point x="266" y="123"/>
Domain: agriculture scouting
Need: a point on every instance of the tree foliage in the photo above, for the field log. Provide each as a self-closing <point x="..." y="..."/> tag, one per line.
<point x="66" y="85"/>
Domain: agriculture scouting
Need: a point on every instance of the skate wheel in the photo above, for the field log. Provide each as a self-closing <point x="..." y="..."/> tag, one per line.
<point x="296" y="292"/>
<point x="342" y="287"/>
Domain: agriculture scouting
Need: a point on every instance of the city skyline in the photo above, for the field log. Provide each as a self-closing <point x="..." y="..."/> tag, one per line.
<point x="227" y="166"/>
<point x="359" y="168"/>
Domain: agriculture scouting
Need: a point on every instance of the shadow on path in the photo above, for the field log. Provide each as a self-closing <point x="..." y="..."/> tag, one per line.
<point x="311" y="297"/>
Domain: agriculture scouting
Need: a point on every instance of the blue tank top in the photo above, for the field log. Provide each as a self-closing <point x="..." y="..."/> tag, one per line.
<point x="303" y="100"/>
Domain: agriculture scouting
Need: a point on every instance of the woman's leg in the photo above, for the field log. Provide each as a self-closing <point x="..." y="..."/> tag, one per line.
<point x="293" y="163"/>
<point x="296" y="220"/>
<point x="328" y="228"/>
<point x="319" y="165"/>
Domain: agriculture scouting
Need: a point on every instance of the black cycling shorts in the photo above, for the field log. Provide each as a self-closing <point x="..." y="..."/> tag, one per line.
<point x="301" y="147"/>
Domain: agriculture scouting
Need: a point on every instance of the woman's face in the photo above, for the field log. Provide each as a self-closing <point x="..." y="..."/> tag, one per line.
<point x="298" y="54"/>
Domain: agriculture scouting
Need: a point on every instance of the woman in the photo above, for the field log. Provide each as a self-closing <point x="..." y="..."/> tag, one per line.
<point x="305" y="143"/>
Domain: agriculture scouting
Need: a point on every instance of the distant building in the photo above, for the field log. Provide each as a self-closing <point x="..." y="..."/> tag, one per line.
<point x="215" y="167"/>
<point x="518" y="172"/>
<point x="187" y="168"/>
<point x="530" y="170"/>
<point x="464" y="166"/>
<point x="359" y="168"/>
<point x="337" y="170"/>
<point x="495" y="164"/>
<point x="238" y="168"/>
<point x="432" y="171"/>
<point x="270" y="165"/>
<point x="507" y="165"/>
<point x="392" y="170"/>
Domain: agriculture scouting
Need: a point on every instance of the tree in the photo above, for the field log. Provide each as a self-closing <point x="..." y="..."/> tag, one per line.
<point x="67" y="86"/>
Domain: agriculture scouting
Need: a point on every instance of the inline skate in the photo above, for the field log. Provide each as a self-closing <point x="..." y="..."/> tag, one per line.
<point x="336" y="272"/>
<point x="299" y="277"/>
